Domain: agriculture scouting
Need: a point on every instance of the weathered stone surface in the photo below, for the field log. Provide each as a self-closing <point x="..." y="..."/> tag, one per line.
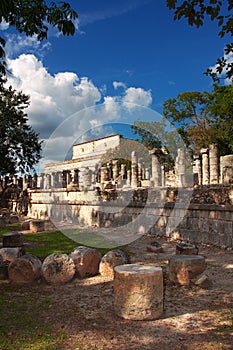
<point x="204" y="282"/>
<point x="4" y="270"/>
<point x="14" y="239"/>
<point x="155" y="247"/>
<point x="11" y="253"/>
<point x="25" y="269"/>
<point x="110" y="260"/>
<point x="186" y="249"/>
<point x="183" y="268"/>
<point x="13" y="219"/>
<point x="138" y="292"/>
<point x="86" y="260"/>
<point x="37" y="226"/>
<point x="3" y="222"/>
<point x="25" y="226"/>
<point x="58" y="268"/>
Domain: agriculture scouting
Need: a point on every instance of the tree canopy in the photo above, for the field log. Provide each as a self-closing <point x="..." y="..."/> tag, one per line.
<point x="196" y="12"/>
<point x="203" y="118"/>
<point x="33" y="17"/>
<point x="19" y="144"/>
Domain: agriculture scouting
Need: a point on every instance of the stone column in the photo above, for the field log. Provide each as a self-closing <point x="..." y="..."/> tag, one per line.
<point x="123" y="171"/>
<point x="15" y="180"/>
<point x="197" y="168"/>
<point x="110" y="173"/>
<point x="103" y="174"/>
<point x="227" y="169"/>
<point x="59" y="179"/>
<point x="34" y="181"/>
<point x="40" y="182"/>
<point x="180" y="165"/>
<point x="128" y="182"/>
<point x="147" y="174"/>
<point x="134" y="170"/>
<point x="163" y="176"/>
<point x="155" y="167"/>
<point x="115" y="172"/>
<point x="68" y="177"/>
<point x="205" y="166"/>
<point x="140" y="166"/>
<point x="214" y="164"/>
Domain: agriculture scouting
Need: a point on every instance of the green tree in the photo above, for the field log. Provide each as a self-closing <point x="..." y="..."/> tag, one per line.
<point x="19" y="145"/>
<point x="196" y="12"/>
<point x="203" y="118"/>
<point x="33" y="17"/>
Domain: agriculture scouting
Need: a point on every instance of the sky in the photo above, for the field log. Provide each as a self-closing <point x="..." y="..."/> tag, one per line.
<point x="125" y="60"/>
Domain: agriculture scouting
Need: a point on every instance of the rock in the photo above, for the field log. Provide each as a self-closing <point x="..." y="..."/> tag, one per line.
<point x="204" y="282"/>
<point x="155" y="247"/>
<point x="9" y="254"/>
<point x="37" y="226"/>
<point x="25" y="269"/>
<point x="186" y="249"/>
<point x="58" y="268"/>
<point x="86" y="260"/>
<point x="12" y="240"/>
<point x="138" y="292"/>
<point x="4" y="270"/>
<point x="110" y="260"/>
<point x="183" y="268"/>
<point x="25" y="226"/>
<point x="14" y="219"/>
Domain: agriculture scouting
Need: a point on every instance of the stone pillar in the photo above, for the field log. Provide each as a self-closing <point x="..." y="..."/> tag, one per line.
<point x="205" y="166"/>
<point x="47" y="183"/>
<point x="134" y="170"/>
<point x="226" y="166"/>
<point x="110" y="172"/>
<point x="138" y="292"/>
<point x="40" y="181"/>
<point x="34" y="181"/>
<point x="155" y="167"/>
<point x="140" y="166"/>
<point x="123" y="171"/>
<point x="163" y="178"/>
<point x="197" y="168"/>
<point x="147" y="174"/>
<point x="59" y="179"/>
<point x="103" y="174"/>
<point x="115" y="172"/>
<point x="214" y="164"/>
<point x="128" y="182"/>
<point x="180" y="165"/>
<point x="68" y="177"/>
<point x="25" y="183"/>
<point x="15" y="180"/>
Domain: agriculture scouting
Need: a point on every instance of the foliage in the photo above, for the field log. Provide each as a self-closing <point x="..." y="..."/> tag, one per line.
<point x="19" y="144"/>
<point x="33" y="17"/>
<point x="203" y="118"/>
<point x="196" y="12"/>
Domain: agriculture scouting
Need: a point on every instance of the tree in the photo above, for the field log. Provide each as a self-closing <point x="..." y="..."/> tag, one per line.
<point x="33" y="17"/>
<point x="196" y="11"/>
<point x="19" y="145"/>
<point x="203" y="118"/>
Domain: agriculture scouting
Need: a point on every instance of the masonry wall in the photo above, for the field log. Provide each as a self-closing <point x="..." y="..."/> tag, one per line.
<point x="204" y="215"/>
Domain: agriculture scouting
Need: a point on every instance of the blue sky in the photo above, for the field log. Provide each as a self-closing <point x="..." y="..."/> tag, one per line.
<point x="125" y="51"/>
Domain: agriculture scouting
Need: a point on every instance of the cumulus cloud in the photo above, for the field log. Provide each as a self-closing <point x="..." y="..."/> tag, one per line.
<point x="137" y="96"/>
<point x="20" y="43"/>
<point x="229" y="59"/>
<point x="118" y="84"/>
<point x="4" y="25"/>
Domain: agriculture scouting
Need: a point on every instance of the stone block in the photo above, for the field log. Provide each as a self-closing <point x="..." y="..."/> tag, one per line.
<point x="86" y="260"/>
<point x="58" y="268"/>
<point x="11" y="253"/>
<point x="14" y="219"/>
<point x="37" y="226"/>
<point x="138" y="292"/>
<point x="14" y="239"/>
<point x="183" y="268"/>
<point x="25" y="269"/>
<point x="110" y="260"/>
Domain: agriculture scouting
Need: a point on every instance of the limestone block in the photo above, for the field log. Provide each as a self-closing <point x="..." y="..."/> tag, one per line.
<point x="14" y="219"/>
<point x="155" y="247"/>
<point x="25" y="226"/>
<point x="138" y="292"/>
<point x="37" y="226"/>
<point x="186" y="249"/>
<point x="86" y="261"/>
<point x="14" y="239"/>
<point x="110" y="260"/>
<point x="25" y="269"/>
<point x="11" y="253"/>
<point x="58" y="268"/>
<point x="183" y="268"/>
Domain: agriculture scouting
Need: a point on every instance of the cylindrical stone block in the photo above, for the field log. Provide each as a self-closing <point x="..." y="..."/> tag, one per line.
<point x="12" y="240"/>
<point x="183" y="268"/>
<point x="214" y="164"/>
<point x="37" y="226"/>
<point x="138" y="292"/>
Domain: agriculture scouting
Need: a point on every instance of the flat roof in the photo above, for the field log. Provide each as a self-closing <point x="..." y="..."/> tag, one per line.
<point x="101" y="138"/>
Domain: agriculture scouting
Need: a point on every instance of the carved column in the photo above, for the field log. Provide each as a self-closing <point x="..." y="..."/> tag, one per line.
<point x="180" y="165"/>
<point x="197" y="168"/>
<point x="103" y="174"/>
<point x="134" y="170"/>
<point x="123" y="171"/>
<point x="205" y="166"/>
<point x="214" y="164"/>
<point x="155" y="167"/>
<point x="115" y="172"/>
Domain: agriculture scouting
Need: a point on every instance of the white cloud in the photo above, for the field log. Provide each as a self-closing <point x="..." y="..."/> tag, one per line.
<point x="20" y="43"/>
<point x="118" y="84"/>
<point x="4" y="25"/>
<point x="137" y="96"/>
<point x="229" y="59"/>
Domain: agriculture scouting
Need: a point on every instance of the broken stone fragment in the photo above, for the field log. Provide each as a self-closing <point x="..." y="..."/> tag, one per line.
<point x="86" y="261"/>
<point x="25" y="269"/>
<point x="11" y="253"/>
<point x="110" y="260"/>
<point x="186" y="249"/>
<point x="155" y="247"/>
<point x="204" y="282"/>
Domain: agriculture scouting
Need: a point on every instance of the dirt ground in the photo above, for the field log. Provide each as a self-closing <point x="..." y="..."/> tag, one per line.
<point x="193" y="318"/>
